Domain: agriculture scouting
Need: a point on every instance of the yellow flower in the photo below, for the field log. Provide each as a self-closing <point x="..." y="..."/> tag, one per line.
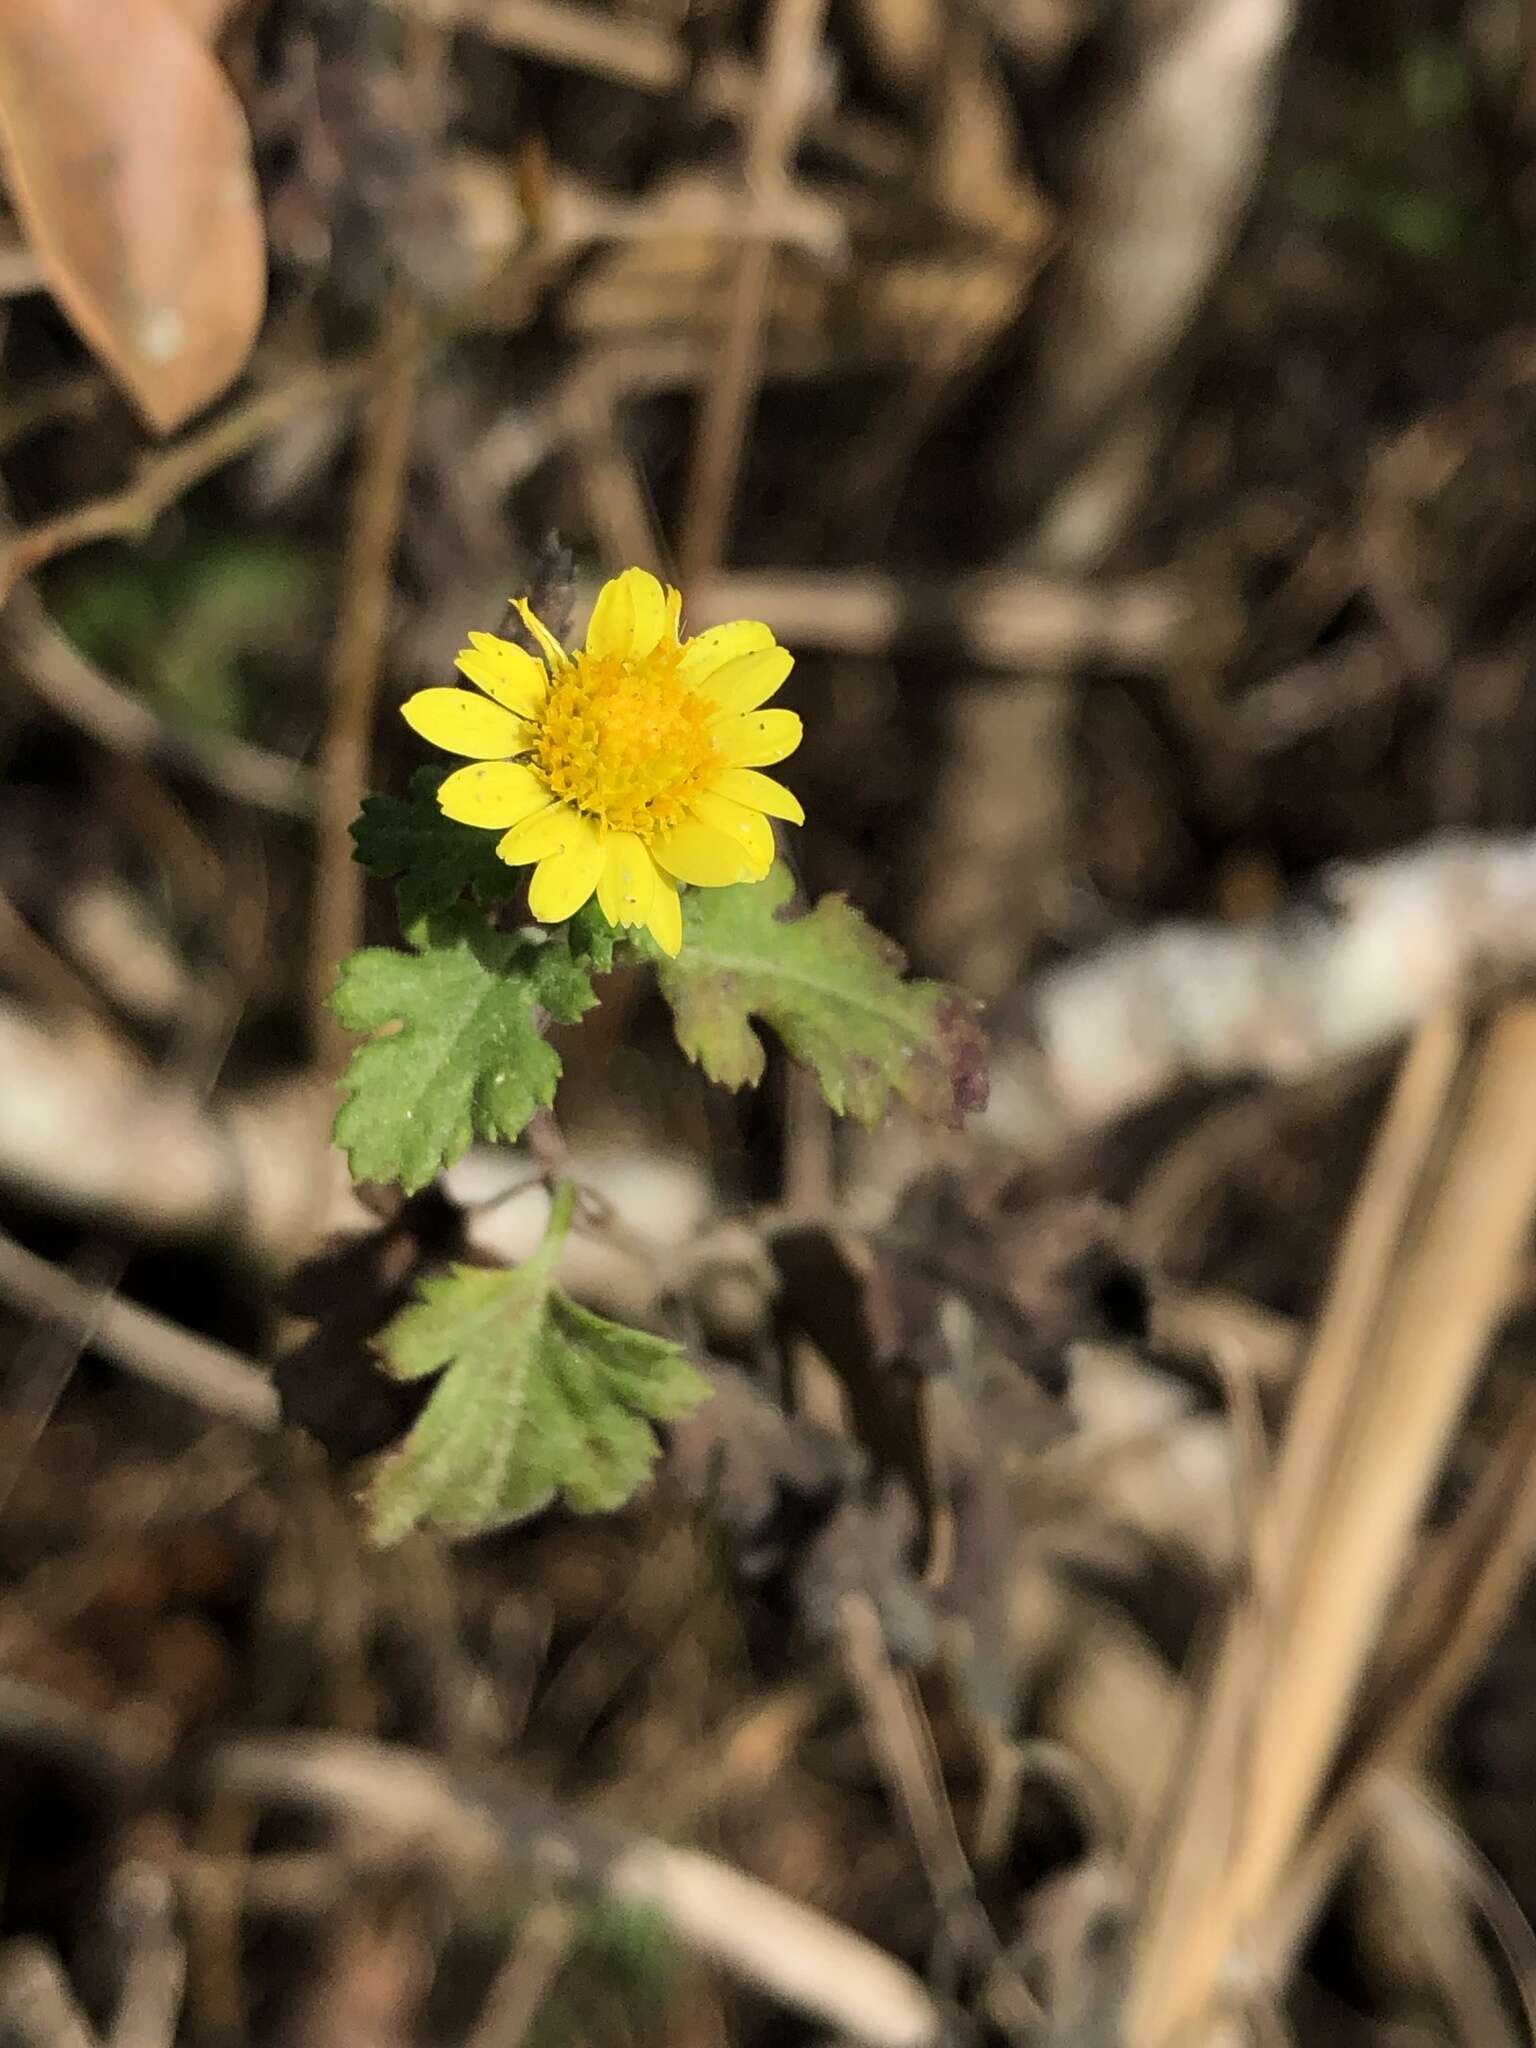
<point x="626" y="767"/>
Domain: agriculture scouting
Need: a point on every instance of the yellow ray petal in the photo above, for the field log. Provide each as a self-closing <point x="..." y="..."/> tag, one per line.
<point x="758" y="793"/>
<point x="628" y="879"/>
<point x="709" y="651"/>
<point x="460" y="722"/>
<point x="695" y="852"/>
<point x="674" y="613"/>
<point x="492" y="793"/>
<point x="629" y="617"/>
<point x="756" y="739"/>
<point x="666" y="915"/>
<point x="563" y="881"/>
<point x="554" y="653"/>
<point x="540" y="834"/>
<point x="749" y="680"/>
<point x="747" y="829"/>
<point x="506" y="672"/>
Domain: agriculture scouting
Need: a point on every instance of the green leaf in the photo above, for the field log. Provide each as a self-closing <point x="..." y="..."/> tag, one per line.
<point x="833" y="989"/>
<point x="591" y="938"/>
<point x="538" y="1397"/>
<point x="633" y="1941"/>
<point x="469" y="1058"/>
<point x="436" y="859"/>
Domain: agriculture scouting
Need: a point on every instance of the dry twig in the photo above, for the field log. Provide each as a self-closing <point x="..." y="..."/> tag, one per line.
<point x="904" y="1747"/>
<point x="631" y="53"/>
<point x="480" y="1828"/>
<point x="998" y="621"/>
<point x="149" y="2006"/>
<point x="84" y="1127"/>
<point x="357" y="650"/>
<point x="43" y="973"/>
<point x="172" y="472"/>
<point x="794" y="30"/>
<point x="38" y="2008"/>
<point x="544" y="1941"/>
<point x="20" y="269"/>
<point x="216" y="1379"/>
<point x="80" y="694"/>
<point x="45" y="1362"/>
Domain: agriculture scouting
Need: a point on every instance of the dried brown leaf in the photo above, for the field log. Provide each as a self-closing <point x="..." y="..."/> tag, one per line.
<point x="128" y="161"/>
<point x="209" y="18"/>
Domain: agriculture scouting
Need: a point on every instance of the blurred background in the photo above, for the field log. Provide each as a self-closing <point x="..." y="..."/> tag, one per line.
<point x="1090" y="1613"/>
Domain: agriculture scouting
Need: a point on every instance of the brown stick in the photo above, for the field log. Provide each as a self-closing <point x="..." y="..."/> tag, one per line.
<point x="154" y="1976"/>
<point x="357" y="651"/>
<point x="629" y="52"/>
<point x="38" y="2008"/>
<point x="20" y="269"/>
<point x="794" y="29"/>
<point x="217" y="1380"/>
<point x="903" y="1747"/>
<point x="163" y="478"/>
<point x="479" y="1828"/>
<point x="543" y="1945"/>
<point x="635" y="54"/>
<point x="77" y="691"/>
<point x="999" y="621"/>
<point x="41" y="972"/>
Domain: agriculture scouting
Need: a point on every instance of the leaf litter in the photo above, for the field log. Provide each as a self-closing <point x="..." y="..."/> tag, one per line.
<point x="1046" y="1355"/>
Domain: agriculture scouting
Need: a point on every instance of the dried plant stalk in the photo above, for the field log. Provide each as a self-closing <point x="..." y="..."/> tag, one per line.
<point x="1462" y="1593"/>
<point x="357" y="652"/>
<point x="1423" y="1277"/>
<point x="794" y="30"/>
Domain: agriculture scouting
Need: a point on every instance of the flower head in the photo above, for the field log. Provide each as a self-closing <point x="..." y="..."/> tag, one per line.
<point x="625" y="767"/>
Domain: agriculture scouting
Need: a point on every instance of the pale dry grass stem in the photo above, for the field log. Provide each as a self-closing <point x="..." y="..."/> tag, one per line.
<point x="1423" y="1278"/>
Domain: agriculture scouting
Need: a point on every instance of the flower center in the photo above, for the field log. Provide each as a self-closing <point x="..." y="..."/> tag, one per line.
<point x="625" y="741"/>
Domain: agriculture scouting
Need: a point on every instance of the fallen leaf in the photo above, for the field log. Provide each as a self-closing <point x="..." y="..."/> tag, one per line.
<point x="127" y="159"/>
<point x="209" y="18"/>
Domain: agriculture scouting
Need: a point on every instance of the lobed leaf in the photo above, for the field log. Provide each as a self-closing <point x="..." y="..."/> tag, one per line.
<point x="468" y="1058"/>
<point x="436" y="859"/>
<point x="592" y="938"/>
<point x="538" y="1397"/>
<point x="833" y="989"/>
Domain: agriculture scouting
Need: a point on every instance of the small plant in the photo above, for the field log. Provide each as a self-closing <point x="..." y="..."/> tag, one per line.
<point x="627" y="776"/>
